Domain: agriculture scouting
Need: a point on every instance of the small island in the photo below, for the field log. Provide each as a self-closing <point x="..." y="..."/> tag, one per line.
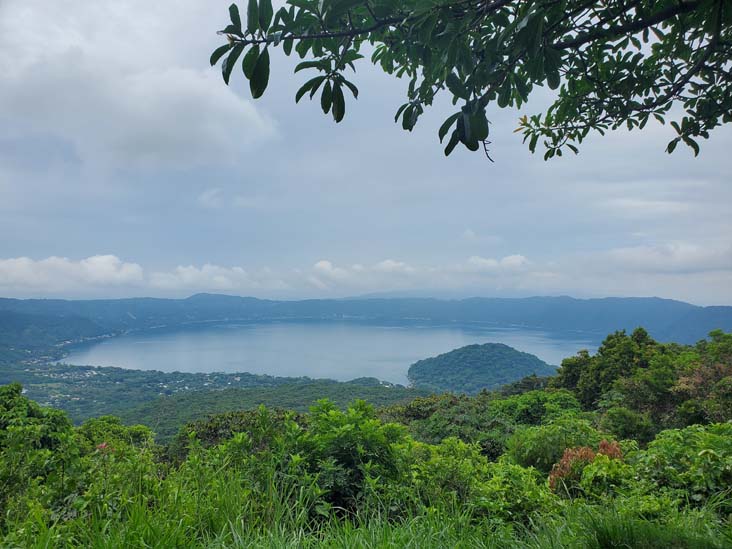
<point x="473" y="368"/>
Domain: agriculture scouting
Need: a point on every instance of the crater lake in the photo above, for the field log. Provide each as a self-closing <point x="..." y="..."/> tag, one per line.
<point x="341" y="350"/>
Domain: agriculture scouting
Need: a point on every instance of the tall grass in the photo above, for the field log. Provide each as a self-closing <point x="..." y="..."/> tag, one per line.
<point x="576" y="527"/>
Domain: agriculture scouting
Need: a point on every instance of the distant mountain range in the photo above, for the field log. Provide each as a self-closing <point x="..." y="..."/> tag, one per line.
<point x="30" y="323"/>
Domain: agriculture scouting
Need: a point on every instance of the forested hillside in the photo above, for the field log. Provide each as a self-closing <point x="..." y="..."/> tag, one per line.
<point x="166" y="415"/>
<point x="629" y="447"/>
<point x="472" y="368"/>
<point x="666" y="320"/>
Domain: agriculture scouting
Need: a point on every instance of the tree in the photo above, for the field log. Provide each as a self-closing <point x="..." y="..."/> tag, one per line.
<point x="611" y="63"/>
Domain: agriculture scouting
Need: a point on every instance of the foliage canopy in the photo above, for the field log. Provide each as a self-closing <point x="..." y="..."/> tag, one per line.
<point x="611" y="63"/>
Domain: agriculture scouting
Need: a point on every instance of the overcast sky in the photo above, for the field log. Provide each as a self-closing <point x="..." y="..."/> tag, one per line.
<point x="128" y="168"/>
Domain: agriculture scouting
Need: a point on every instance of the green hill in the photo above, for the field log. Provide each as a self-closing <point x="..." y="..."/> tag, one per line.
<point x="166" y="415"/>
<point x="474" y="367"/>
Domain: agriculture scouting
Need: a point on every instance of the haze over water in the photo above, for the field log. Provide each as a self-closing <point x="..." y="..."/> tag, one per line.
<point x="336" y="350"/>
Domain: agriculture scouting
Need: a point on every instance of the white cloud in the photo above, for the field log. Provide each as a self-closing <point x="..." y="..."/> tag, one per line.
<point x="327" y="269"/>
<point x="514" y="262"/>
<point x="391" y="266"/>
<point x="113" y="87"/>
<point x="215" y="278"/>
<point x="482" y="264"/>
<point x="60" y="274"/>
<point x="613" y="272"/>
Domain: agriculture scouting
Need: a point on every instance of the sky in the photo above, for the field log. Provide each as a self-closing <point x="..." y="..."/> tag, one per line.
<point x="128" y="168"/>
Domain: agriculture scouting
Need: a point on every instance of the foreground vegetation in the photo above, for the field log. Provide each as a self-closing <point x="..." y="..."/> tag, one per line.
<point x="631" y="447"/>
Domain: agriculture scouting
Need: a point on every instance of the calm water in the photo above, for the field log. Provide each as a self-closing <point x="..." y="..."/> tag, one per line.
<point x="337" y="350"/>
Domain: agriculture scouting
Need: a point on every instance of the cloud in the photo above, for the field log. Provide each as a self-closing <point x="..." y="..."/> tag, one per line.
<point x="327" y="269"/>
<point x="514" y="262"/>
<point x="391" y="266"/>
<point x="60" y="274"/>
<point x="110" y="94"/>
<point x="612" y="272"/>
<point x="643" y="208"/>
<point x="214" y="278"/>
<point x="211" y="198"/>
<point x="675" y="257"/>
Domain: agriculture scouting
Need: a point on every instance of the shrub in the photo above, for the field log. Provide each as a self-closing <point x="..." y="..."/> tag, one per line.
<point x="39" y="459"/>
<point x="512" y="493"/>
<point x="605" y="477"/>
<point x="567" y="476"/>
<point x="346" y="450"/>
<point x="457" y="476"/>
<point x="451" y="473"/>
<point x="567" y="472"/>
<point x="627" y="424"/>
<point x="543" y="446"/>
<point x="697" y="460"/>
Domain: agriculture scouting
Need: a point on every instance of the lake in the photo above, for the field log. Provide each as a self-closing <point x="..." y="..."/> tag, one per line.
<point x="318" y="349"/>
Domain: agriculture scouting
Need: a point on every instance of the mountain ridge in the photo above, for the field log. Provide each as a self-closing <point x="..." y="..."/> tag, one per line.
<point x="665" y="319"/>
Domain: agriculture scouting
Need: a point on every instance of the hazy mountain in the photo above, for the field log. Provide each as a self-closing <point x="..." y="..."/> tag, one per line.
<point x="665" y="319"/>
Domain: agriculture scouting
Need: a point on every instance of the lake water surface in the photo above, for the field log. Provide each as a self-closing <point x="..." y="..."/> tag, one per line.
<point x="337" y="350"/>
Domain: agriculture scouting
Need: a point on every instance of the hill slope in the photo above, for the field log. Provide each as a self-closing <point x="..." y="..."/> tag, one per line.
<point x="166" y="415"/>
<point x="474" y="367"/>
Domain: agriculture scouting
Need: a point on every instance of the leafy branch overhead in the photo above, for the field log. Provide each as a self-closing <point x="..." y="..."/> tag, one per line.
<point x="611" y="63"/>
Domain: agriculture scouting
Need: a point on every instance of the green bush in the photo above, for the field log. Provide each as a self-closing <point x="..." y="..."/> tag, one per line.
<point x="627" y="424"/>
<point x="542" y="446"/>
<point x="513" y="493"/>
<point x="696" y="460"/>
<point x="39" y="458"/>
<point x="605" y="477"/>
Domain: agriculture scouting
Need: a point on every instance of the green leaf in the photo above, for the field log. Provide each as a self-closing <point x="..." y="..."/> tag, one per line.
<point x="303" y="90"/>
<point x="231" y="29"/>
<point x="463" y="127"/>
<point x="552" y="79"/>
<point x="454" y="140"/>
<point x="693" y="144"/>
<point x="446" y="125"/>
<point x="219" y="53"/>
<point x="456" y="86"/>
<point x="339" y="103"/>
<point x="504" y="95"/>
<point x="400" y="110"/>
<point x="228" y="64"/>
<point x="252" y="16"/>
<point x="250" y="59"/>
<point x="352" y="87"/>
<point x="326" y="98"/>
<point x="522" y="88"/>
<point x="313" y="83"/>
<point x="287" y="46"/>
<point x="234" y="16"/>
<point x="307" y="65"/>
<point x="265" y="14"/>
<point x="479" y="126"/>
<point x="407" y="118"/>
<point x="260" y="76"/>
